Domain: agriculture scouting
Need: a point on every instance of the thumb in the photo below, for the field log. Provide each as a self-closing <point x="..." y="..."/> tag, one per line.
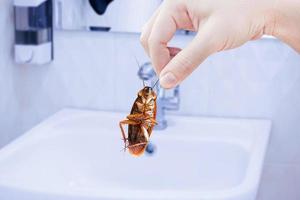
<point x="188" y="59"/>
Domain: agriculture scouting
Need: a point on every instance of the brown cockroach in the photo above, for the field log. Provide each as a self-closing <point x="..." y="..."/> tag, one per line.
<point x="141" y="121"/>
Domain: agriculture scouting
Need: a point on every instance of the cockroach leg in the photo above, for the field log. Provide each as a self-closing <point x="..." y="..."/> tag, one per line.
<point x="138" y="116"/>
<point x="126" y="122"/>
<point x="125" y="141"/>
<point x="134" y="145"/>
<point x="145" y="132"/>
<point x="123" y="132"/>
<point x="153" y="121"/>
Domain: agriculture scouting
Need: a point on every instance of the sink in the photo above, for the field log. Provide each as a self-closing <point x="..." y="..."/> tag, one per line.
<point x="78" y="155"/>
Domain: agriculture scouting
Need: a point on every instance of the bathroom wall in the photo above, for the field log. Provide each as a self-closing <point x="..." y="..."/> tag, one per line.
<point x="98" y="71"/>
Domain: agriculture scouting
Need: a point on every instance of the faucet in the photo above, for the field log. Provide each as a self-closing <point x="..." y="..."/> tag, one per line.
<point x="164" y="100"/>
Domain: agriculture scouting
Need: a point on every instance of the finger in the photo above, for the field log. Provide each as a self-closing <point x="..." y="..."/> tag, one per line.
<point x="162" y="32"/>
<point x="146" y="30"/>
<point x="204" y="44"/>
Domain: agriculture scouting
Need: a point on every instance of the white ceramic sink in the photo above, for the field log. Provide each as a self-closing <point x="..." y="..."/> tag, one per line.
<point x="77" y="155"/>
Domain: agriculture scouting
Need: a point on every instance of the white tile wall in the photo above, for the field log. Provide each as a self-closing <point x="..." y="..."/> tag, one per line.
<point x="98" y="71"/>
<point x="8" y="104"/>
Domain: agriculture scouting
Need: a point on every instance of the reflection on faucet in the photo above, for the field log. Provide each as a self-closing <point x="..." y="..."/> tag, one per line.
<point x="165" y="101"/>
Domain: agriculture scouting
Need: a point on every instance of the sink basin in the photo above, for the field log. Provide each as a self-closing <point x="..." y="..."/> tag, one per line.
<point x="78" y="155"/>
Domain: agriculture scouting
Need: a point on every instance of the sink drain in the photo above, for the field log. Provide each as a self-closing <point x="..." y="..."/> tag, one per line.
<point x="150" y="149"/>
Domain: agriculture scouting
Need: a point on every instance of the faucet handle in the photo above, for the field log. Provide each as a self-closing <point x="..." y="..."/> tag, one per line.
<point x="146" y="72"/>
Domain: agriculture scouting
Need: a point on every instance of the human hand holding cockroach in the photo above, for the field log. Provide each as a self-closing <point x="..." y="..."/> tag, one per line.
<point x="220" y="25"/>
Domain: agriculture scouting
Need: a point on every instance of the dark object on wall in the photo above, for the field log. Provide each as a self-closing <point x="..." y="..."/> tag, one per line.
<point x="100" y="6"/>
<point x="98" y="28"/>
<point x="33" y="25"/>
<point x="33" y="31"/>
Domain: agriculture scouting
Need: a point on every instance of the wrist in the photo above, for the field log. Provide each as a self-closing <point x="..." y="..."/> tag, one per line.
<point x="283" y="22"/>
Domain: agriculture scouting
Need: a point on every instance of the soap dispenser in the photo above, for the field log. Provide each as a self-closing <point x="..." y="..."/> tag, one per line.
<point x="33" y="31"/>
<point x="100" y="6"/>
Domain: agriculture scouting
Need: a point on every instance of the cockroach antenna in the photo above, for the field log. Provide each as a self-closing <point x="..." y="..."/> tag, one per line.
<point x="155" y="83"/>
<point x="137" y="62"/>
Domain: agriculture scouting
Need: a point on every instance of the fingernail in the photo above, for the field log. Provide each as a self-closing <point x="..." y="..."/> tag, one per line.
<point x="168" y="80"/>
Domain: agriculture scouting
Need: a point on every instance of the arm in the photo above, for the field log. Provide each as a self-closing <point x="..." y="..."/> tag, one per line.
<point x="220" y="25"/>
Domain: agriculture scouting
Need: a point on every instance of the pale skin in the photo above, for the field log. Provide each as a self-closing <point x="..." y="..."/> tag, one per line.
<point x="220" y="25"/>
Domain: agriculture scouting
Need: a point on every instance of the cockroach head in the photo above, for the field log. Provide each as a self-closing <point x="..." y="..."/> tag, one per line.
<point x="147" y="91"/>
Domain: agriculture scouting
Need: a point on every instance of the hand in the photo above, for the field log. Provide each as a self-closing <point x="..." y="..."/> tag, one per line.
<point x="220" y="25"/>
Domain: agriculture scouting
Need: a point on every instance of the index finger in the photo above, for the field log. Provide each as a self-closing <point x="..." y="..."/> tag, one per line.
<point x="162" y="32"/>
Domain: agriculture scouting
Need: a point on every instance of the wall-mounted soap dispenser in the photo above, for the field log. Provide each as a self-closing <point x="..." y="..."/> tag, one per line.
<point x="33" y="31"/>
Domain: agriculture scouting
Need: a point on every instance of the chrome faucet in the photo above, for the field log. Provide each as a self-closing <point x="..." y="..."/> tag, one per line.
<point x="165" y="101"/>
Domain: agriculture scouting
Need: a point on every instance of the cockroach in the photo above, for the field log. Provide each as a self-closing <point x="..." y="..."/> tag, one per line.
<point x="140" y="121"/>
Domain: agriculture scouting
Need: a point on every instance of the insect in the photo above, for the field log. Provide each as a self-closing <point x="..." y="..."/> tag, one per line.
<point x="140" y="121"/>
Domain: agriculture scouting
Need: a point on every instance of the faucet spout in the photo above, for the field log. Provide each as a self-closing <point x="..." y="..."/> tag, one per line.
<point x="166" y="99"/>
